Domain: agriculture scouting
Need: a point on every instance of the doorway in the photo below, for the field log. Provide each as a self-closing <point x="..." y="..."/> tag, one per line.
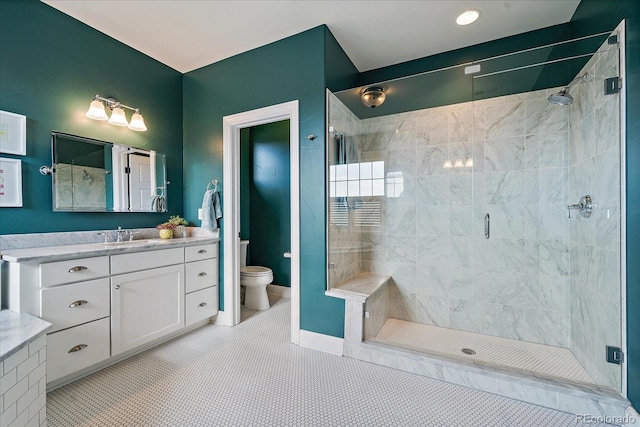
<point x="232" y="126"/>
<point x="265" y="203"/>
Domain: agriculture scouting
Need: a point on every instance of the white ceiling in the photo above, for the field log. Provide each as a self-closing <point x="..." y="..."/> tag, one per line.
<point x="189" y="34"/>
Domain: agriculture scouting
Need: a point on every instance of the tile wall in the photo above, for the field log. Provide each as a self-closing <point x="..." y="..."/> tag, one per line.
<point x="594" y="169"/>
<point x="521" y="160"/>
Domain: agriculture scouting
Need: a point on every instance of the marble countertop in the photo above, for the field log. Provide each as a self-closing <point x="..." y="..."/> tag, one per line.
<point x="18" y="330"/>
<point x="64" y="252"/>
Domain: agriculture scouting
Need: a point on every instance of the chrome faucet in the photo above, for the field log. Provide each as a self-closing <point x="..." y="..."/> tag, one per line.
<point x="121" y="233"/>
<point x="106" y="236"/>
<point x="584" y="207"/>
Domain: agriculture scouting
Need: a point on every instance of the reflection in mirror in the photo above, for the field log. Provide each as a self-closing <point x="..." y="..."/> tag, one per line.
<point x="97" y="176"/>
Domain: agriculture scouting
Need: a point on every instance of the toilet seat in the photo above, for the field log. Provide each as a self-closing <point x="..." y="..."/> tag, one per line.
<point x="255" y="271"/>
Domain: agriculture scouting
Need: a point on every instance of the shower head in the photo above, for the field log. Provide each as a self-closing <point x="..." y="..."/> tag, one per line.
<point x="563" y="97"/>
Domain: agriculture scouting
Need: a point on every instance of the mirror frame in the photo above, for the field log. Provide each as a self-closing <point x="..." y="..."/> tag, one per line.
<point x="116" y="192"/>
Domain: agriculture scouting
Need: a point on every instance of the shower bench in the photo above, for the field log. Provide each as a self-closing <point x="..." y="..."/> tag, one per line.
<point x="366" y="296"/>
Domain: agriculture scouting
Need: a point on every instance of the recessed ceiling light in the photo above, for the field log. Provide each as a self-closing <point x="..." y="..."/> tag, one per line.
<point x="467" y="17"/>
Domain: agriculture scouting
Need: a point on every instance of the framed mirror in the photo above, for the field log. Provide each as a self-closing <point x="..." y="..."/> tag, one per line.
<point x="97" y="176"/>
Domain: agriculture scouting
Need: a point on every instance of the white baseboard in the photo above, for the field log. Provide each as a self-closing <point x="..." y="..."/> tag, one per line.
<point x="321" y="342"/>
<point x="281" y="291"/>
<point x="223" y="319"/>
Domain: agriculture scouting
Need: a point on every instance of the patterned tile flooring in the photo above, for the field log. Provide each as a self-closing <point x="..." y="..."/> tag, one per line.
<point x="251" y="375"/>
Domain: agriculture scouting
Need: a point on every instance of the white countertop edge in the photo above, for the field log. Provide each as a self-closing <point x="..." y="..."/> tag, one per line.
<point x="56" y="253"/>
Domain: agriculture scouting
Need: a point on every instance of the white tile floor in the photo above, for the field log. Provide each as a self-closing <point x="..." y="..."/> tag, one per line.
<point x="250" y="375"/>
<point x="538" y="359"/>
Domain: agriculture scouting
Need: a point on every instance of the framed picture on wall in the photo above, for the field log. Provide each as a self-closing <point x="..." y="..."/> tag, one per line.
<point x="10" y="183"/>
<point x="13" y="133"/>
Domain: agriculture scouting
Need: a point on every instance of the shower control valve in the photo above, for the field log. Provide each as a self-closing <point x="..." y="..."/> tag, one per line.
<point x="584" y="207"/>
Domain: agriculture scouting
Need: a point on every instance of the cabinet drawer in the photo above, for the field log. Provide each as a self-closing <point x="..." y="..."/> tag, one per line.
<point x="126" y="263"/>
<point x="201" y="305"/>
<point x="201" y="274"/>
<point x="76" y="270"/>
<point x="76" y="348"/>
<point x="71" y="305"/>
<point x="198" y="252"/>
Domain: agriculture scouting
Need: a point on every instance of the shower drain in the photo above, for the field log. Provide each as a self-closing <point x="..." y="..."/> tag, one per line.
<point x="468" y="351"/>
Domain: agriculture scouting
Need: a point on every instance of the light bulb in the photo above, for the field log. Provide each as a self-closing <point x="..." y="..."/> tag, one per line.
<point x="137" y="122"/>
<point x="118" y="118"/>
<point x="96" y="111"/>
<point x="468" y="17"/>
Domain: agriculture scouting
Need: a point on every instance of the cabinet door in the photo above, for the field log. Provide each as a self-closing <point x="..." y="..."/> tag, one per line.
<point x="145" y="306"/>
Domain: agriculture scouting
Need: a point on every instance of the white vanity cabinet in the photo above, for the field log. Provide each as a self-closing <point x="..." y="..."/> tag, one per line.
<point x="110" y="305"/>
<point x="201" y="271"/>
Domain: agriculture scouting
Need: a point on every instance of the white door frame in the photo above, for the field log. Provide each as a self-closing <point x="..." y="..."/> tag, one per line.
<point x="231" y="188"/>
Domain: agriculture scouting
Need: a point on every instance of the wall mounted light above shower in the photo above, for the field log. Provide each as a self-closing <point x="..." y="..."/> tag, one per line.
<point x="563" y="97"/>
<point x="373" y="96"/>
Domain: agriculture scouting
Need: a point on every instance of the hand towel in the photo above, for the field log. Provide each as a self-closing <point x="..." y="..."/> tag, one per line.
<point x="211" y="210"/>
<point x="217" y="206"/>
<point x="157" y="203"/>
<point x="207" y="219"/>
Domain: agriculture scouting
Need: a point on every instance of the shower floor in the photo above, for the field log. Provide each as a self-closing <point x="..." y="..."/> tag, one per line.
<point x="531" y="358"/>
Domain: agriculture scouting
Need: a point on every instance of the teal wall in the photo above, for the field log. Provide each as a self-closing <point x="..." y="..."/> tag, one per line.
<point x="597" y="15"/>
<point x="269" y="209"/>
<point x="51" y="66"/>
<point x="287" y="70"/>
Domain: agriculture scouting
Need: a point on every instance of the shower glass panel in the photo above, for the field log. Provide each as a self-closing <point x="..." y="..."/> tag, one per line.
<point x="488" y="264"/>
<point x="379" y="176"/>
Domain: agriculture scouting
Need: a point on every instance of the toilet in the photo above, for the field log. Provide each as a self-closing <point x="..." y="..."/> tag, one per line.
<point x="255" y="279"/>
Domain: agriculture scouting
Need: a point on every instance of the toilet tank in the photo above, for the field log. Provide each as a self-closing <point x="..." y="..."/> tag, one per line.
<point x="243" y="252"/>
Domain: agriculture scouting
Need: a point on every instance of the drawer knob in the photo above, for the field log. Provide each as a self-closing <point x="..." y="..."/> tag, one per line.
<point x="202" y="251"/>
<point x="116" y="287"/>
<point x="202" y="274"/>
<point x="78" y="347"/>
<point x="78" y="303"/>
<point x="202" y="304"/>
<point x="77" y="268"/>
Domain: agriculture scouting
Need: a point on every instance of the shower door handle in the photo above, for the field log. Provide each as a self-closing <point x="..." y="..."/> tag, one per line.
<point x="487" y="226"/>
<point x="287" y="255"/>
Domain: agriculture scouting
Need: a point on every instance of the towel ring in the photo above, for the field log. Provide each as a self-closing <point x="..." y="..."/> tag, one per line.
<point x="215" y="185"/>
<point x="155" y="192"/>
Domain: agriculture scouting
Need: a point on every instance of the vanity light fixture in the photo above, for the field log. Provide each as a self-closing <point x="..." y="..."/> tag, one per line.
<point x="97" y="112"/>
<point x="373" y="96"/>
<point x="468" y="17"/>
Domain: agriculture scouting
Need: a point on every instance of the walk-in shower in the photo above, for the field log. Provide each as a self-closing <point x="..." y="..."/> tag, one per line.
<point x="541" y="295"/>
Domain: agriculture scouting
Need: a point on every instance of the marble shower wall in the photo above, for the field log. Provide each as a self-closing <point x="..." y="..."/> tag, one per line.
<point x="506" y="157"/>
<point x="594" y="169"/>
<point x="80" y="186"/>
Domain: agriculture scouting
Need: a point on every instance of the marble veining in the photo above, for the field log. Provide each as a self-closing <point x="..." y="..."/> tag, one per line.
<point x="18" y="330"/>
<point x="55" y="253"/>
